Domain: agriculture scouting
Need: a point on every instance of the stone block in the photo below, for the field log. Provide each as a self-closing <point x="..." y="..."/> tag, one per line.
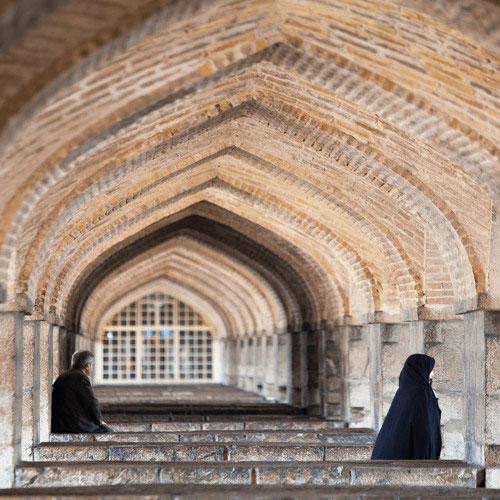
<point x="71" y="453"/>
<point x="204" y="474"/>
<point x="175" y="426"/>
<point x="91" y="475"/>
<point x="493" y="419"/>
<point x="358" y="360"/>
<point x="492" y="364"/>
<point x="450" y="405"/>
<point x="347" y="453"/>
<point x="319" y="474"/>
<point x="167" y="453"/>
<point x="492" y="477"/>
<point x="282" y="453"/>
<point x="223" y="426"/>
<point x="414" y="473"/>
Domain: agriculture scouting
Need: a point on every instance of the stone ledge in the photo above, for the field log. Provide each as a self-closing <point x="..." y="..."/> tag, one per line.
<point x="411" y="473"/>
<point x="251" y="492"/>
<point x="339" y="436"/>
<point x="201" y="452"/>
<point x="257" y="425"/>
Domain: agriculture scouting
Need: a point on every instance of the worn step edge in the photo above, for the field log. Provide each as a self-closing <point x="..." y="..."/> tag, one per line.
<point x="329" y="437"/>
<point x="247" y="492"/>
<point x="414" y="473"/>
<point x="206" y="452"/>
<point x="168" y="426"/>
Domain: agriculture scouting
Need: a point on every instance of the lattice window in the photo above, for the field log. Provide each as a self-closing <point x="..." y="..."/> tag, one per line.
<point x="157" y="339"/>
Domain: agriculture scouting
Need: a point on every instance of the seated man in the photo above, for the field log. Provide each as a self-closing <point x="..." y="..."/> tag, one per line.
<point x="75" y="409"/>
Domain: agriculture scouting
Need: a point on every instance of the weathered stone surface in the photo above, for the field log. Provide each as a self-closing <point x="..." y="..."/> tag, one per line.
<point x="286" y="453"/>
<point x="425" y="473"/>
<point x="169" y="452"/>
<point x="205" y="474"/>
<point x="347" y="453"/>
<point x="81" y="474"/>
<point x="253" y="492"/>
<point x="284" y="473"/>
<point x="299" y="475"/>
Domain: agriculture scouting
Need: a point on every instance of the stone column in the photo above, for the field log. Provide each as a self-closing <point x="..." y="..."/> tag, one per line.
<point x="314" y="398"/>
<point x="444" y="340"/>
<point x="241" y="356"/>
<point x="55" y="352"/>
<point x="474" y="387"/>
<point x="250" y="364"/>
<point x="11" y="384"/>
<point x="231" y="361"/>
<point x="333" y="374"/>
<point x="304" y="370"/>
<point x="289" y="367"/>
<point x="492" y="348"/>
<point x="357" y="348"/>
<point x="374" y="332"/>
<point x="43" y="381"/>
<point x="31" y="330"/>
<point x="270" y="355"/>
<point x="321" y="369"/>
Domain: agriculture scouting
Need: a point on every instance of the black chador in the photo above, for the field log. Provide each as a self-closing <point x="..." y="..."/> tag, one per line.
<point x="411" y="429"/>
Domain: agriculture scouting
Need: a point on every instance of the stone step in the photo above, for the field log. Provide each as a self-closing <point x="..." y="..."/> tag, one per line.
<point x="353" y="436"/>
<point x="226" y="425"/>
<point x="200" y="408"/>
<point x="250" y="492"/>
<point x="409" y="473"/>
<point x="199" y="452"/>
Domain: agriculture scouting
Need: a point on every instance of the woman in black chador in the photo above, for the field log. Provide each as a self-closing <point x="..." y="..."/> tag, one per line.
<point x="411" y="429"/>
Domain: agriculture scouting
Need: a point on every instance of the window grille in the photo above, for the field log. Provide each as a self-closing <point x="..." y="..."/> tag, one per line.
<point x="157" y="338"/>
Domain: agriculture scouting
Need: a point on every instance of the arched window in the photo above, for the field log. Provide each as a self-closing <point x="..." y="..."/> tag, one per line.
<point x="157" y="338"/>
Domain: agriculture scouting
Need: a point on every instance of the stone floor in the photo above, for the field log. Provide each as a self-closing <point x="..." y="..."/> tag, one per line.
<point x="216" y="442"/>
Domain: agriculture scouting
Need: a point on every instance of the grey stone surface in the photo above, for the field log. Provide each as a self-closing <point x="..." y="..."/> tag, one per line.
<point x="161" y="452"/>
<point x="284" y="473"/>
<point x="254" y="492"/>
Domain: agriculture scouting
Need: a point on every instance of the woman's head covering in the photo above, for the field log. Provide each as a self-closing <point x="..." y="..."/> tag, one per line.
<point x="416" y="369"/>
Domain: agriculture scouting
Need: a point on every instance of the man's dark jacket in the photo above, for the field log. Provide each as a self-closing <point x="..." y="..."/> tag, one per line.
<point x="411" y="429"/>
<point x="75" y="409"/>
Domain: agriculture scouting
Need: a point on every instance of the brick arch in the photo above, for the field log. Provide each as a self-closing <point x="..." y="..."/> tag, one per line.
<point x="451" y="216"/>
<point x="264" y="304"/>
<point x="387" y="187"/>
<point x="246" y="195"/>
<point x="209" y="192"/>
<point x="382" y="82"/>
<point x="93" y="325"/>
<point x="270" y="258"/>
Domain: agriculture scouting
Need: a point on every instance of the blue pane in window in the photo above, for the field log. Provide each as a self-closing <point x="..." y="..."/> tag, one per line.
<point x="147" y="333"/>
<point x="166" y="333"/>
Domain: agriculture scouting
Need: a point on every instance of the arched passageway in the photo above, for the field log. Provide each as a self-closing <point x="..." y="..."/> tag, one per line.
<point x="318" y="180"/>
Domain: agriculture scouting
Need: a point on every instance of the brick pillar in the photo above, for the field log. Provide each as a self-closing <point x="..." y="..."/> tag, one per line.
<point x="11" y="381"/>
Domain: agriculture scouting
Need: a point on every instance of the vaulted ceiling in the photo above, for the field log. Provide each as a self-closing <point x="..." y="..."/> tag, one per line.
<point x="279" y="162"/>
